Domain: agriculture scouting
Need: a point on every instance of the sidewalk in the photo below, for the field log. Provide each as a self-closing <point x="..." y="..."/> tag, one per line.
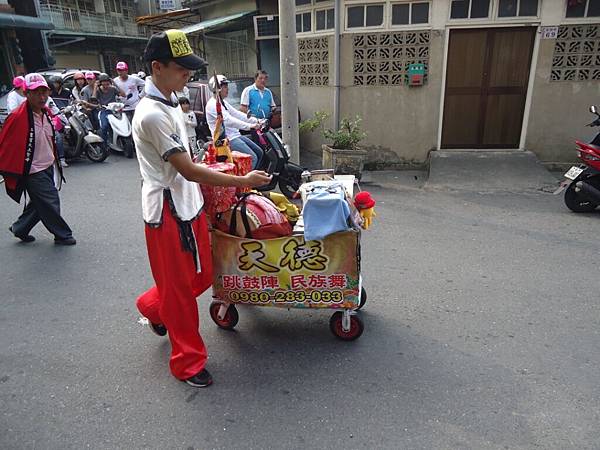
<point x="488" y="171"/>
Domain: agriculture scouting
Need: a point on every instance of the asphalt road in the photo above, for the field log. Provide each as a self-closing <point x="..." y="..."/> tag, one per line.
<point x="481" y="332"/>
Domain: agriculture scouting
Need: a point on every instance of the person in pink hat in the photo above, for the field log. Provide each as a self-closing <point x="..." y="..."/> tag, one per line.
<point x="130" y="86"/>
<point x="17" y="95"/>
<point x="89" y="100"/>
<point x="28" y="160"/>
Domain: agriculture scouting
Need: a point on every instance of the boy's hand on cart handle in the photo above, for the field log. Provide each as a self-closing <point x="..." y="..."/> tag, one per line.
<point x="256" y="178"/>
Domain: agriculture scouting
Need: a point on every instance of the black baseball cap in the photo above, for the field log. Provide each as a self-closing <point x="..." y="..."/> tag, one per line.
<point x="172" y="45"/>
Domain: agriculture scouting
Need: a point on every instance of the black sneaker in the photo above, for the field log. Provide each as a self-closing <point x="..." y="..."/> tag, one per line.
<point x="26" y="239"/>
<point x="158" y="328"/>
<point x="65" y="241"/>
<point x="200" y="380"/>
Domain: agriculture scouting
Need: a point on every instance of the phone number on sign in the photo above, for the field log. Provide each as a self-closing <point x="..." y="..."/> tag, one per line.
<point x="286" y="297"/>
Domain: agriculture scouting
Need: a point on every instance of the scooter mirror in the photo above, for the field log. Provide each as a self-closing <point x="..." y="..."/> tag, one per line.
<point x="593" y="109"/>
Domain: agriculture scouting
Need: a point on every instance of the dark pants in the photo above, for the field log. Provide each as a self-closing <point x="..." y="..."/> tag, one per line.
<point x="244" y="144"/>
<point x="104" y="125"/>
<point x="43" y="205"/>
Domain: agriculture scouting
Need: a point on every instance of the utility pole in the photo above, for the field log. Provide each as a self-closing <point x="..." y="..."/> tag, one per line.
<point x="288" y="63"/>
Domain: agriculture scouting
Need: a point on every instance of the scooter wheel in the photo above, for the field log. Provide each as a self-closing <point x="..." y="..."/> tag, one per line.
<point x="96" y="153"/>
<point x="576" y="202"/>
<point x="231" y="316"/>
<point x="355" y="331"/>
<point x="129" y="148"/>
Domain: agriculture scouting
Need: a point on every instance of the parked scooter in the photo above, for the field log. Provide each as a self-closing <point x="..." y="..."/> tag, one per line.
<point x="276" y="162"/>
<point x="582" y="182"/>
<point x="119" y="133"/>
<point x="79" y="137"/>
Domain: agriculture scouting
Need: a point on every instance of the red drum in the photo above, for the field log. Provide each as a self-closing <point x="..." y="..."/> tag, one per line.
<point x="218" y="199"/>
<point x="243" y="165"/>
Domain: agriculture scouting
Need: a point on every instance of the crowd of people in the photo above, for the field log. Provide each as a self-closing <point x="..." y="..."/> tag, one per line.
<point x="93" y="92"/>
<point x="163" y="128"/>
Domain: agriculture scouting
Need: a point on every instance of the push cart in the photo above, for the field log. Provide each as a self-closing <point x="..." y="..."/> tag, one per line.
<point x="289" y="272"/>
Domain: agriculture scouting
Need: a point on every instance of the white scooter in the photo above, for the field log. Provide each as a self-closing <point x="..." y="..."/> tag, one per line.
<point x="119" y="133"/>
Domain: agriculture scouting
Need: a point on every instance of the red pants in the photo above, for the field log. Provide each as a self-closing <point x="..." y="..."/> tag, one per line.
<point x="172" y="301"/>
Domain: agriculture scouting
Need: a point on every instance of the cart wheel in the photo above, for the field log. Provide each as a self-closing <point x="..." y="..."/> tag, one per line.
<point x="231" y="316"/>
<point x="363" y="298"/>
<point x="356" y="327"/>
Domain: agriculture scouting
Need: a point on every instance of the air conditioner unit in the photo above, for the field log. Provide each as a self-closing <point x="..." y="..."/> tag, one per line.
<point x="266" y="27"/>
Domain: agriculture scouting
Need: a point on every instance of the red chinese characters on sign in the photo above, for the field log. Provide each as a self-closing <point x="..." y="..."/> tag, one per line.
<point x="337" y="280"/>
<point x="269" y="282"/>
<point x="251" y="282"/>
<point x="232" y="282"/>
<point x="317" y="281"/>
<point x="298" y="282"/>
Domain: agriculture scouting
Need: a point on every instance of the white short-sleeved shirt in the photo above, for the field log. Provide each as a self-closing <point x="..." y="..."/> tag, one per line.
<point x="130" y="86"/>
<point x="159" y="130"/>
<point x="14" y="100"/>
<point x="245" y="98"/>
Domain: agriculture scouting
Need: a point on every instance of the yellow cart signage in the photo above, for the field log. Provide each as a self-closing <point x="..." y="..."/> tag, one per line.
<point x="288" y="272"/>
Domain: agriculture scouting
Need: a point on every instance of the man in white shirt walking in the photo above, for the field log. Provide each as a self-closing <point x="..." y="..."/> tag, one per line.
<point x="176" y="227"/>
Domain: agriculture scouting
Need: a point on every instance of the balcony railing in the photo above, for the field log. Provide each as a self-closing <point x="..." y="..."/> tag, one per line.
<point x="68" y="19"/>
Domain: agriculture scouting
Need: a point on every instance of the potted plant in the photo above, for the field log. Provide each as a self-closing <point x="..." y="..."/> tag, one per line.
<point x="343" y="155"/>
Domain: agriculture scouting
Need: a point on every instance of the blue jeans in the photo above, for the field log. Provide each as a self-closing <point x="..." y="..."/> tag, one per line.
<point x="60" y="145"/>
<point x="104" y="125"/>
<point x="243" y="144"/>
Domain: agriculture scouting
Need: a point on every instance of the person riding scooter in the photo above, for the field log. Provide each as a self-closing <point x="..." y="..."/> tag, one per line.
<point x="58" y="90"/>
<point x="131" y="86"/>
<point x="233" y="121"/>
<point x="106" y="93"/>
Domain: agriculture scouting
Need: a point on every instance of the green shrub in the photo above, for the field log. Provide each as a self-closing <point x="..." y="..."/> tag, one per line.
<point x="347" y="137"/>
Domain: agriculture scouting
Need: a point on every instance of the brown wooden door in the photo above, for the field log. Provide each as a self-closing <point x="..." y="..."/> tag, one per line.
<point x="486" y="87"/>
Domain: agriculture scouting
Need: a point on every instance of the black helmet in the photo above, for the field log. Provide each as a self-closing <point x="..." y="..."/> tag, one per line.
<point x="103" y="77"/>
<point x="56" y="79"/>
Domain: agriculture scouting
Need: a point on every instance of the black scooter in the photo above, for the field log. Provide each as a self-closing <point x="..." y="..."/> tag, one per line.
<point x="276" y="162"/>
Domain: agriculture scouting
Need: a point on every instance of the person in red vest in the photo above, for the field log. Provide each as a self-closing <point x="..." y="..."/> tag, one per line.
<point x="28" y="162"/>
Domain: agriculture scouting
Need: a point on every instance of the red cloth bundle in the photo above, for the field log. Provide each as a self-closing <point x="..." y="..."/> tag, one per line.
<point x="218" y="199"/>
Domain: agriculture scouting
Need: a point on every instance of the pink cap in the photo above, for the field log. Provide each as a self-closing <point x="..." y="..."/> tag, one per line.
<point x="122" y="65"/>
<point x="90" y="76"/>
<point x="18" y="82"/>
<point x="34" y="81"/>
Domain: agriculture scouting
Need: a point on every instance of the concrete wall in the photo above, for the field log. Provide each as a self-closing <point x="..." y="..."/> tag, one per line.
<point x="401" y="121"/>
<point x="77" y="60"/>
<point x="559" y="111"/>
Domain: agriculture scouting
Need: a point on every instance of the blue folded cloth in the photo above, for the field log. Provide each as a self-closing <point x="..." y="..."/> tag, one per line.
<point x="325" y="212"/>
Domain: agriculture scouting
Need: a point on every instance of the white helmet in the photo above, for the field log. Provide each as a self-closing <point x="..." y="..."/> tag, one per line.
<point x="222" y="79"/>
<point x="141" y="74"/>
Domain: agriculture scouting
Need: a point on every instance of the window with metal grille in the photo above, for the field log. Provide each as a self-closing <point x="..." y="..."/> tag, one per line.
<point x="236" y="58"/>
<point x="266" y="27"/>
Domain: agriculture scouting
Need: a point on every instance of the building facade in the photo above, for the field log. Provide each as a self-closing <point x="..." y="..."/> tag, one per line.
<point x="499" y="74"/>
<point x="94" y="34"/>
<point x="22" y="44"/>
